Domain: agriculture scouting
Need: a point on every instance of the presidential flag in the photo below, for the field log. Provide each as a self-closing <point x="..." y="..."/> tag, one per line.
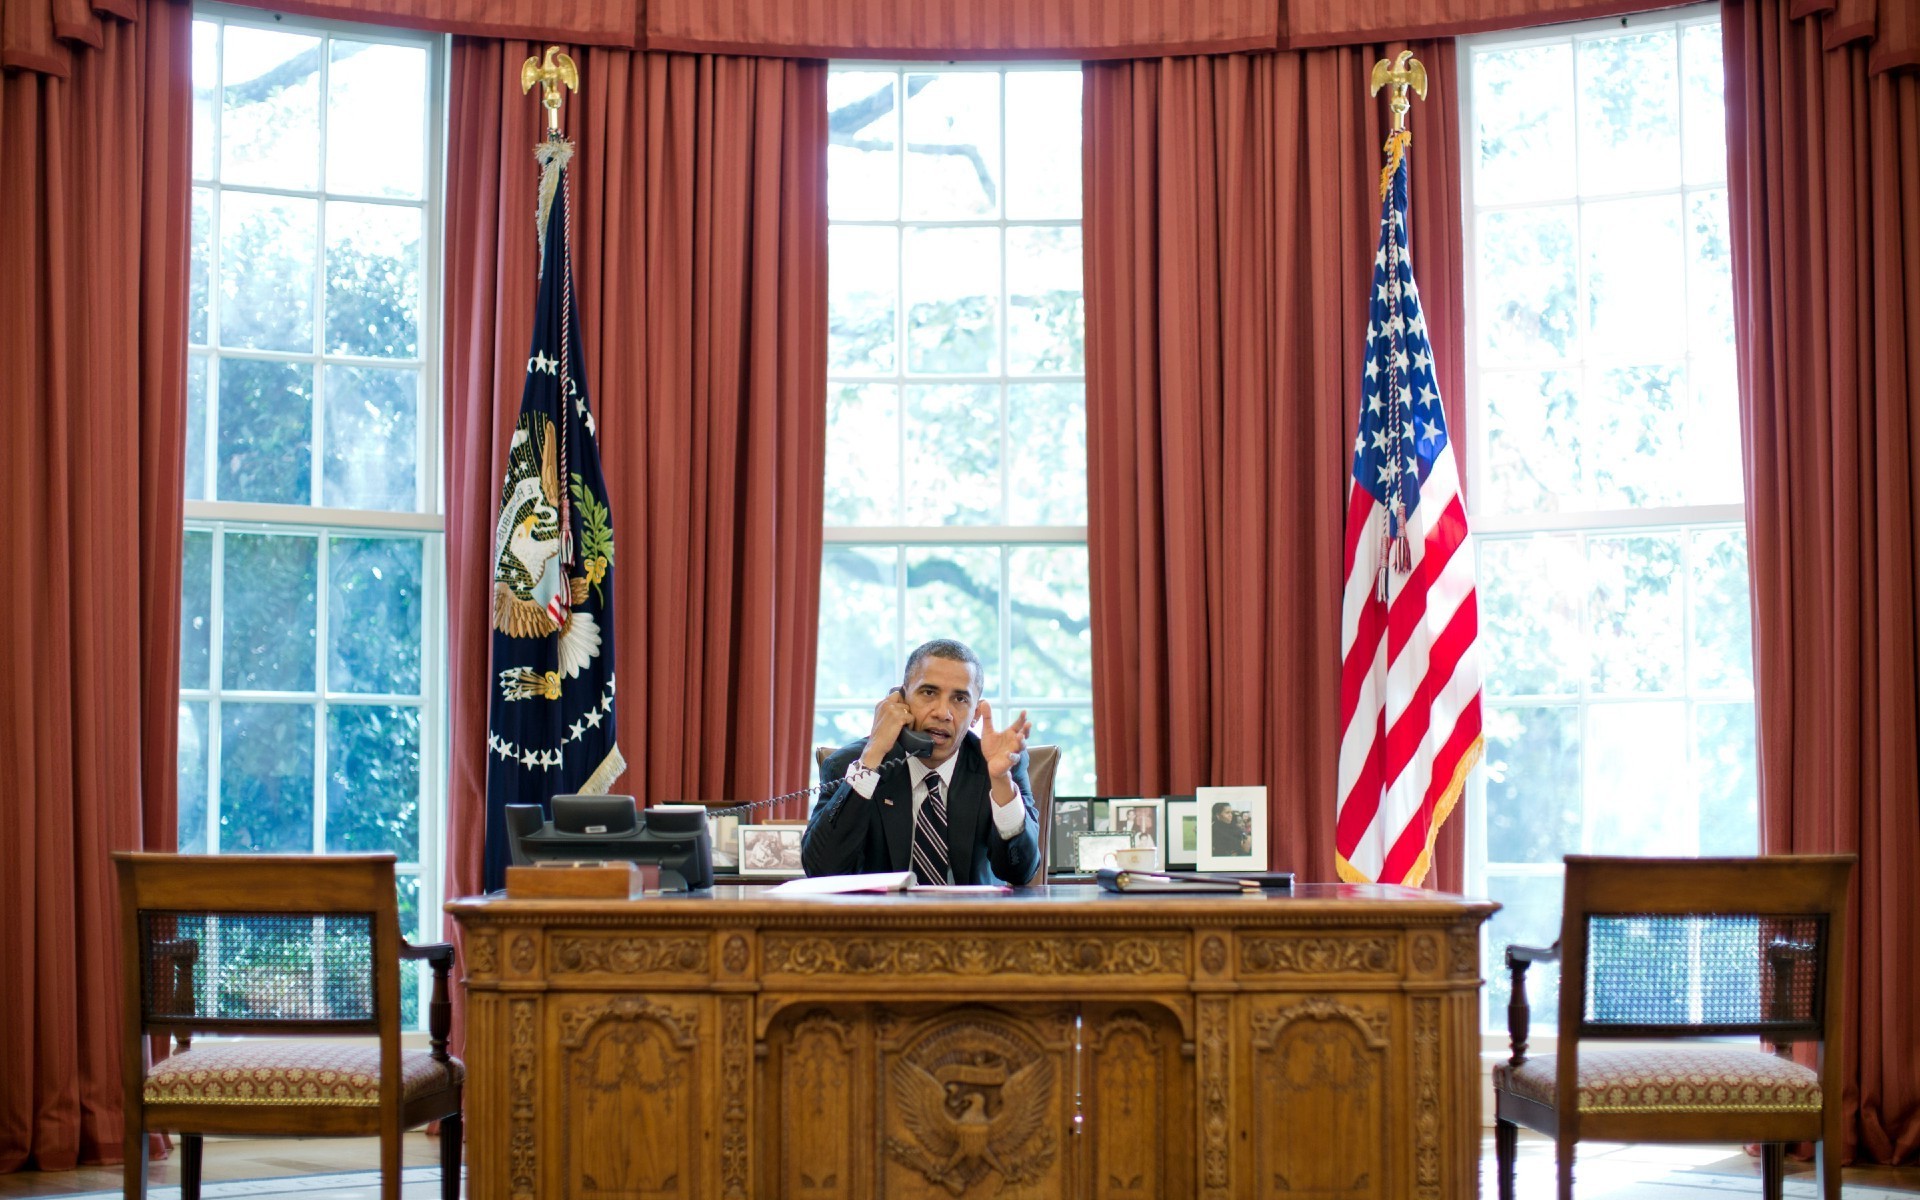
<point x="1409" y="677"/>
<point x="550" y="726"/>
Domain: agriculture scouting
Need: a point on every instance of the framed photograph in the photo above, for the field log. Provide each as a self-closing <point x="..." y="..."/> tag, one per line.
<point x="1095" y="850"/>
<point x="1183" y="833"/>
<point x="1145" y="821"/>
<point x="771" y="851"/>
<point x="1070" y="819"/>
<point x="724" y="830"/>
<point x="1233" y="828"/>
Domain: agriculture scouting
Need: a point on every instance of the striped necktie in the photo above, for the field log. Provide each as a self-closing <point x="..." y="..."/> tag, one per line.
<point x="930" y="835"/>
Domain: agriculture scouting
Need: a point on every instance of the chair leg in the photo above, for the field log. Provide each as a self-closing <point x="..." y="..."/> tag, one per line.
<point x="450" y="1157"/>
<point x="133" y="1173"/>
<point x="191" y="1145"/>
<point x="1563" y="1167"/>
<point x="1826" y="1168"/>
<point x="1506" y="1146"/>
<point x="1773" y="1170"/>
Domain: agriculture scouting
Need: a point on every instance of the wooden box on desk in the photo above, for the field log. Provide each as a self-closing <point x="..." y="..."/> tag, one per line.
<point x="582" y="881"/>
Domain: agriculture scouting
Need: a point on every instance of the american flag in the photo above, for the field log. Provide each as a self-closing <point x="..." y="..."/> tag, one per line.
<point x="1409" y="675"/>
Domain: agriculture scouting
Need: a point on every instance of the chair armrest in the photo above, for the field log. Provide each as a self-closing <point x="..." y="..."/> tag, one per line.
<point x="178" y="957"/>
<point x="1533" y="954"/>
<point x="1784" y="957"/>
<point x="1519" y="1016"/>
<point x="439" y="955"/>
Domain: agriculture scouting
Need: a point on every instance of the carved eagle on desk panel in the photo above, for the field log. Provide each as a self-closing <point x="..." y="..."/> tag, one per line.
<point x="960" y="1137"/>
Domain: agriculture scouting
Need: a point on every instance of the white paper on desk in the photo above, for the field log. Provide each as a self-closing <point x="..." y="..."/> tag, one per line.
<point x="834" y="885"/>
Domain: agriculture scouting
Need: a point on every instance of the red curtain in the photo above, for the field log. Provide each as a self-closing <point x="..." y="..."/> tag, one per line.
<point x="93" y="232"/>
<point x="700" y="210"/>
<point x="1824" y="176"/>
<point x="1232" y="215"/>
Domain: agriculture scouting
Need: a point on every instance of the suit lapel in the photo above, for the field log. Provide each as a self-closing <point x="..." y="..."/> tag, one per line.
<point x="964" y="808"/>
<point x="896" y="819"/>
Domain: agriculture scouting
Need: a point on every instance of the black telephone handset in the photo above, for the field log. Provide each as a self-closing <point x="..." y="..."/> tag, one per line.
<point x="911" y="741"/>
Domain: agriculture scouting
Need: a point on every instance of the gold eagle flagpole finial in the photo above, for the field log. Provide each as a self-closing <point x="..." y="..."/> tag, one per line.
<point x="557" y="71"/>
<point x="1402" y="73"/>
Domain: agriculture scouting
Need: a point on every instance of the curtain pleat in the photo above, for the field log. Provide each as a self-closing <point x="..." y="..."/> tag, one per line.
<point x="93" y="229"/>
<point x="1231" y="219"/>
<point x="1824" y="182"/>
<point x="699" y="194"/>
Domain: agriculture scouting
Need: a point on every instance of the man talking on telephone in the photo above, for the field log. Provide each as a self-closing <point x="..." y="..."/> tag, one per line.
<point x="957" y="811"/>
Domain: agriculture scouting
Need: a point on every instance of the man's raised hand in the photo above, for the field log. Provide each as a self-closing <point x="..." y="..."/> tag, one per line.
<point x="1002" y="747"/>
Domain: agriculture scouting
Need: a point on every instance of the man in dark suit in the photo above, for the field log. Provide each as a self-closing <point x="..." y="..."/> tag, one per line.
<point x="962" y="814"/>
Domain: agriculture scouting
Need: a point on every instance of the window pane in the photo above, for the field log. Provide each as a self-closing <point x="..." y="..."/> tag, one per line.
<point x="1636" y="279"/>
<point x="1722" y="612"/>
<point x="1533" y="442"/>
<point x="953" y="145"/>
<point x="1047" y="453"/>
<point x="268" y="588"/>
<point x="1529" y="916"/>
<point x="1634" y="434"/>
<point x="411" y="973"/>
<point x="1709" y="273"/>
<point x="199" y="266"/>
<point x="196" y="470"/>
<point x="1724" y="775"/>
<point x="206" y="86"/>
<point x="377" y="119"/>
<point x="1530" y="600"/>
<point x="267" y="249"/>
<point x="1043" y="144"/>
<point x="836" y="727"/>
<point x="863" y="465"/>
<point x="1071" y="729"/>
<point x="1046" y="313"/>
<point x="857" y="659"/>
<point x="1637" y="797"/>
<point x="373" y="615"/>
<point x="863" y="298"/>
<point x="953" y="301"/>
<point x="1636" y="614"/>
<point x="1523" y="107"/>
<point x="266" y="778"/>
<point x="191" y="759"/>
<point x="1051" y="633"/>
<point x="373" y="781"/>
<point x="863" y="176"/>
<point x="1713" y="431"/>
<point x="1629" y="112"/>
<point x="952" y="464"/>
<point x="270" y="119"/>
<point x="266" y="432"/>
<point x="1704" y="106"/>
<point x="373" y="280"/>
<point x="372" y="440"/>
<point x="196" y="608"/>
<point x="1533" y="783"/>
<point x="954" y="592"/>
<point x="1527" y="285"/>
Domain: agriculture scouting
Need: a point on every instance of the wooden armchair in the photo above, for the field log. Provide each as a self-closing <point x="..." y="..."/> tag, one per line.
<point x="288" y="946"/>
<point x="1659" y="949"/>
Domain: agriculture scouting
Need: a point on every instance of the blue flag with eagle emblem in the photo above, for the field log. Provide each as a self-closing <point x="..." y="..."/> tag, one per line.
<point x="550" y="722"/>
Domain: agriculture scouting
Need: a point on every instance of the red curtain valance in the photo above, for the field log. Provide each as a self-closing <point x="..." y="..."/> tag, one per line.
<point x="36" y="35"/>
<point x="947" y="29"/>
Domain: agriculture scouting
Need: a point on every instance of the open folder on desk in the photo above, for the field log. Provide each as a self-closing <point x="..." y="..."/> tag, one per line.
<point x="837" y="885"/>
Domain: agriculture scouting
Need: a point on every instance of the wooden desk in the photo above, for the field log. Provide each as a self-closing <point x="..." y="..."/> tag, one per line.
<point x="1058" y="1042"/>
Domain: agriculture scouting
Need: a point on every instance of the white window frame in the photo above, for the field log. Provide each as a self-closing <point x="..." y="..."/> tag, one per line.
<point x="427" y="523"/>
<point x="1684" y="520"/>
<point x="1006" y="538"/>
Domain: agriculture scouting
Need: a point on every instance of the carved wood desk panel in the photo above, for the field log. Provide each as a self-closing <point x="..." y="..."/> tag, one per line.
<point x="1059" y="1042"/>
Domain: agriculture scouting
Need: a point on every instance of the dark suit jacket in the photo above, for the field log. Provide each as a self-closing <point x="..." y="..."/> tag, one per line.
<point x="852" y="834"/>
